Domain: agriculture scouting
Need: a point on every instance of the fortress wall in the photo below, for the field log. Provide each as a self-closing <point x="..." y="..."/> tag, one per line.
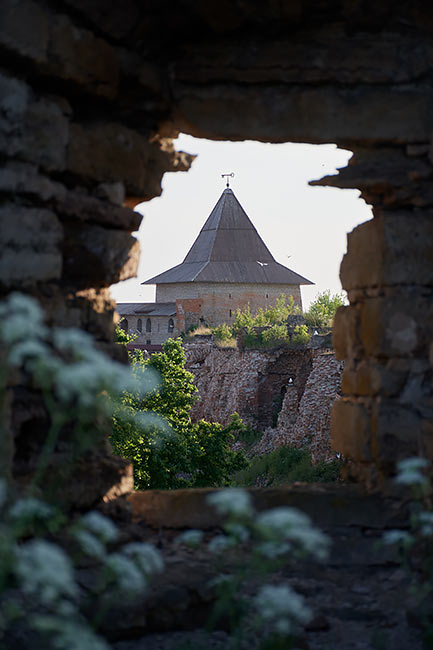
<point x="91" y="97"/>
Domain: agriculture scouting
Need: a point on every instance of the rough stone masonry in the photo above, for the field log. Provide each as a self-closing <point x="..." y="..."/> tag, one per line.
<point x="285" y="393"/>
<point x="92" y="93"/>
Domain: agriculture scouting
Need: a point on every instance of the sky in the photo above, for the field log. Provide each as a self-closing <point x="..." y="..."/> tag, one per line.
<point x="304" y="227"/>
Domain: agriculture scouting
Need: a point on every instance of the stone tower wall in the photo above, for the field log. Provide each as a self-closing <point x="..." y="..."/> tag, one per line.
<point x="217" y="303"/>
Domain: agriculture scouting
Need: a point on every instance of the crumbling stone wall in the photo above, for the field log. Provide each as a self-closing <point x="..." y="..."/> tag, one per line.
<point x="249" y="382"/>
<point x="91" y="94"/>
<point x="285" y="393"/>
<point x="308" y="423"/>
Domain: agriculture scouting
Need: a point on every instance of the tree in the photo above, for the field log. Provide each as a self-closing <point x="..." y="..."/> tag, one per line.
<point x="167" y="449"/>
<point x="123" y="337"/>
<point x="322" y="311"/>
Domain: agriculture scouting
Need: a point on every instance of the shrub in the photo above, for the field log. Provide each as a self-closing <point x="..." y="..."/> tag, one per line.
<point x="301" y="334"/>
<point x="275" y="334"/>
<point x="287" y="465"/>
<point x="222" y="332"/>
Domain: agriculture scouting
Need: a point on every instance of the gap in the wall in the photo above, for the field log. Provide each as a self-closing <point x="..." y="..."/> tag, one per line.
<point x="304" y="227"/>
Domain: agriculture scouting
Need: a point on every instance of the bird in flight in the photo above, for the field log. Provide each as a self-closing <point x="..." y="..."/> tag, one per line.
<point x="262" y="263"/>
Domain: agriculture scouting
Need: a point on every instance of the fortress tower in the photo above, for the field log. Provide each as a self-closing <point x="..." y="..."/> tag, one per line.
<point x="227" y="268"/>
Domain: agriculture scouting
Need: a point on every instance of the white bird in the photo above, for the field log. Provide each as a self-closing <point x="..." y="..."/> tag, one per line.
<point x="262" y="263"/>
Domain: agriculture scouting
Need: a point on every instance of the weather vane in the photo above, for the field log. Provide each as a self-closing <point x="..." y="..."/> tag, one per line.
<point x="227" y="178"/>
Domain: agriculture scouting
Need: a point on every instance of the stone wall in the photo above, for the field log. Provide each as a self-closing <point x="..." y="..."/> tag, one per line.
<point x="159" y="333"/>
<point x="285" y="393"/>
<point x="90" y="96"/>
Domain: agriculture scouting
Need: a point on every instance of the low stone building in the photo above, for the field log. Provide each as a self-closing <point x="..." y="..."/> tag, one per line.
<point x="227" y="268"/>
<point x="152" y="323"/>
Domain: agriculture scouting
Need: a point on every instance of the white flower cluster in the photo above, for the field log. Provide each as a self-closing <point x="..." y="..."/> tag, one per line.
<point x="66" y="363"/>
<point x="278" y="530"/>
<point x="282" y="607"/>
<point x="294" y="528"/>
<point x="410" y="472"/>
<point x="271" y="535"/>
<point x="31" y="508"/>
<point x="191" y="538"/>
<point x="45" y="573"/>
<point x="232" y="502"/>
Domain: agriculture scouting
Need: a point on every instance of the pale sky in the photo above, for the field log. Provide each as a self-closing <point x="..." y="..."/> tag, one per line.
<point x="309" y="224"/>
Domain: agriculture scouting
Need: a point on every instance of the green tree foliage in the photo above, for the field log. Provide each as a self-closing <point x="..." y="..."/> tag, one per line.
<point x="123" y="337"/>
<point x="322" y="311"/>
<point x="168" y="450"/>
<point x="274" y="319"/>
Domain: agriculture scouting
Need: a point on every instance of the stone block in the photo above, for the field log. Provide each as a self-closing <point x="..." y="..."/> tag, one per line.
<point x="281" y="113"/>
<point x="398" y="325"/>
<point x="77" y="55"/>
<point x="33" y="129"/>
<point x="345" y="337"/>
<point x="59" y="47"/>
<point x="117" y="22"/>
<point x="25" y="29"/>
<point x="30" y="246"/>
<point x="371" y="377"/>
<point x="395" y="248"/>
<point x="23" y="178"/>
<point x="351" y="429"/>
<point x="111" y="153"/>
<point x="98" y="257"/>
<point x="364" y="379"/>
<point x="327" y="505"/>
<point x="79" y="205"/>
<point x="397" y="433"/>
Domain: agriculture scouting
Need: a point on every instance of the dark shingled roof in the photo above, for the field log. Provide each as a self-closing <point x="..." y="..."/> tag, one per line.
<point x="229" y="249"/>
<point x="146" y="308"/>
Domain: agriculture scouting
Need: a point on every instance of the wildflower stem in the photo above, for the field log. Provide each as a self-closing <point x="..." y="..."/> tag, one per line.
<point x="58" y="419"/>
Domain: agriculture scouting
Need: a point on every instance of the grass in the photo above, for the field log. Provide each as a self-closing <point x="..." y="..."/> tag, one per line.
<point x="228" y="343"/>
<point x="200" y="331"/>
<point x="287" y="465"/>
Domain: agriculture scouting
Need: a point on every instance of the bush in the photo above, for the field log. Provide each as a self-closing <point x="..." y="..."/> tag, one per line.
<point x="301" y="334"/>
<point x="287" y="465"/>
<point x="322" y="311"/>
<point x="275" y="334"/>
<point x="222" y="332"/>
<point x="169" y="451"/>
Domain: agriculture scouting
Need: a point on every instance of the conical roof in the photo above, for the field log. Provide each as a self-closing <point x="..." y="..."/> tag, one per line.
<point x="229" y="249"/>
